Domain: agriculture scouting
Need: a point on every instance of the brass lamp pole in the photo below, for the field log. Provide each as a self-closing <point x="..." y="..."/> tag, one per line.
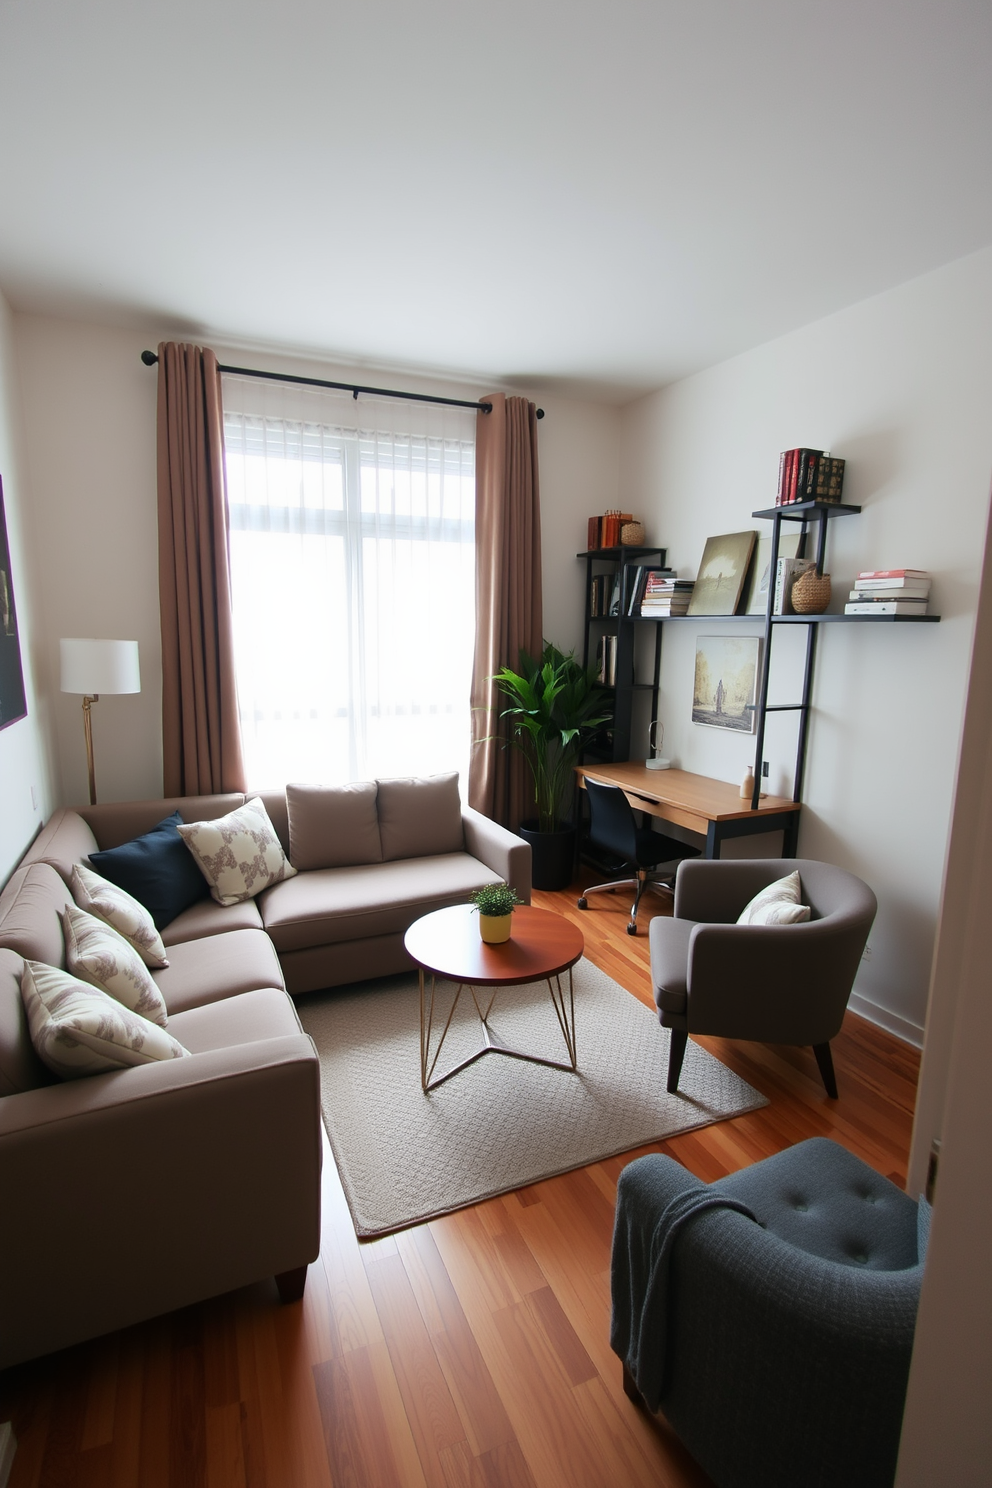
<point x="92" y="667"/>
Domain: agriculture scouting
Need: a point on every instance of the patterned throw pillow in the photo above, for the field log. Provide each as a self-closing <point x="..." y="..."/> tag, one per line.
<point x="95" y="953"/>
<point x="116" y="907"/>
<point x="78" y="1030"/>
<point x="778" y="904"/>
<point x="239" y="854"/>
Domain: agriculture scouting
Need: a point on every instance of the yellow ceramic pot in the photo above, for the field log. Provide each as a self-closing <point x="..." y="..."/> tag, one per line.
<point x="494" y="929"/>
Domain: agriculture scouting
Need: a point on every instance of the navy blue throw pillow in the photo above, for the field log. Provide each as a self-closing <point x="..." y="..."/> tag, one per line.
<point x="158" y="869"/>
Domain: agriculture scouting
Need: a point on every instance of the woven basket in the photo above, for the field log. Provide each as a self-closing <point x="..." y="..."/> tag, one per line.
<point x="632" y="534"/>
<point x="811" y="593"/>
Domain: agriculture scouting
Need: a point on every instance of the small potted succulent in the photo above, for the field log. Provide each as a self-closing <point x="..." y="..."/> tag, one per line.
<point x="495" y="903"/>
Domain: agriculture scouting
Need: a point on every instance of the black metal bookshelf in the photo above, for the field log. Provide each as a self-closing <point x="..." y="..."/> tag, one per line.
<point x="617" y="740"/>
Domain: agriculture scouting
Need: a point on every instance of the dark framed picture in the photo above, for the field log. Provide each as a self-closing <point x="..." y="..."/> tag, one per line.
<point x="12" y="700"/>
<point x="725" y="686"/>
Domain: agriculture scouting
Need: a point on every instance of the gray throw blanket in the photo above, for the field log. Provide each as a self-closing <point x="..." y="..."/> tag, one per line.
<point x="642" y="1248"/>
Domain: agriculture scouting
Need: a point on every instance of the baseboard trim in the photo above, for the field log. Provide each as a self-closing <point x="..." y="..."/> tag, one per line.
<point x="8" y="1446"/>
<point x="902" y="1028"/>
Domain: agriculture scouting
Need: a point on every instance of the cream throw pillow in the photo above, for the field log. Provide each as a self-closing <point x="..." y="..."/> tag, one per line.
<point x="239" y="854"/>
<point x="95" y="953"/>
<point x="116" y="907"/>
<point x="78" y="1030"/>
<point x="778" y="904"/>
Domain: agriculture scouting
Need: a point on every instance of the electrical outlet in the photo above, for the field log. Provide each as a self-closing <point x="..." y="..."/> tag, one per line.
<point x="866" y="953"/>
<point x="764" y="768"/>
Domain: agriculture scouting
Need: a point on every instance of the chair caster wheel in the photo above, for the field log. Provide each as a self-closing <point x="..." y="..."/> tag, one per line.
<point x="582" y="904"/>
<point x="632" y="928"/>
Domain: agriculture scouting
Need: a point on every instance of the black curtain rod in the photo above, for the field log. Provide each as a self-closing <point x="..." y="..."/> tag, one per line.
<point x="150" y="358"/>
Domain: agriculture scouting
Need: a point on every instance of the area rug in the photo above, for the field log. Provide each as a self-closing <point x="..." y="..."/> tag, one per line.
<point x="404" y="1156"/>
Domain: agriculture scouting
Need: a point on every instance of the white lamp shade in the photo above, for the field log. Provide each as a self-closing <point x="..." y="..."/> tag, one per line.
<point x="99" y="666"/>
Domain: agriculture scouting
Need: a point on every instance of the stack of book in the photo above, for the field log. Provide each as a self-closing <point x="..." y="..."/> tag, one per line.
<point x="604" y="531"/>
<point x="664" y="595"/>
<point x="808" y="475"/>
<point x="889" y="591"/>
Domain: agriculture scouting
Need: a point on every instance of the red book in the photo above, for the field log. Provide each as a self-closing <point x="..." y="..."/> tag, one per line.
<point x="893" y="573"/>
<point x="791" y="471"/>
<point x="592" y="541"/>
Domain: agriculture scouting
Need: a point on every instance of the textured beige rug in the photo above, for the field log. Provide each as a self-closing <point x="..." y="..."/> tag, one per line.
<point x="405" y="1157"/>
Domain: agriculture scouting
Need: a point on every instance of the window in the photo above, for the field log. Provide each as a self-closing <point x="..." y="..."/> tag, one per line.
<point x="353" y="582"/>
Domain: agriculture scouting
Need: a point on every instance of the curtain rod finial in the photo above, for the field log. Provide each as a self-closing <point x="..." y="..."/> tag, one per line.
<point x="149" y="358"/>
<point x="540" y="413"/>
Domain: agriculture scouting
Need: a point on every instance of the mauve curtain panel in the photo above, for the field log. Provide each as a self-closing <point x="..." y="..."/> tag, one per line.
<point x="200" y="732"/>
<point x="508" y="597"/>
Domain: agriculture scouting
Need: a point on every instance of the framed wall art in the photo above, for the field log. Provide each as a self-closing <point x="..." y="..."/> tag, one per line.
<point x="722" y="571"/>
<point x="12" y="700"/>
<point x="725" y="685"/>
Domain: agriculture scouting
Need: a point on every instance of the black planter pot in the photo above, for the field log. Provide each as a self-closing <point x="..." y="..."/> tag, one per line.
<point x="552" y="855"/>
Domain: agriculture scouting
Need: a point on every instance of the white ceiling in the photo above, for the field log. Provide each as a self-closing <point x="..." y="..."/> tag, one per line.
<point x="598" y="196"/>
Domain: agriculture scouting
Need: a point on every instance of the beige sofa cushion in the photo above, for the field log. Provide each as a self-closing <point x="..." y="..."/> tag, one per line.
<point x="245" y="1019"/>
<point x="95" y="953"/>
<point x="78" y="1030"/>
<point x="420" y="817"/>
<point x="20" y="1067"/>
<point x="207" y="917"/>
<point x="338" y="904"/>
<point x="30" y="910"/>
<point x="238" y="854"/>
<point x="333" y="826"/>
<point x="218" y="967"/>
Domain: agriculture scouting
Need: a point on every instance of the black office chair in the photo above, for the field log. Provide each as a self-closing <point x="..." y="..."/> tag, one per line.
<point x="613" y="826"/>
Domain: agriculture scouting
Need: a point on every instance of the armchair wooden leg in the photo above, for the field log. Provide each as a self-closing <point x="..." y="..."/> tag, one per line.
<point x="825" y="1061"/>
<point x="676" y="1054"/>
<point x="291" y="1284"/>
<point x="630" y="1389"/>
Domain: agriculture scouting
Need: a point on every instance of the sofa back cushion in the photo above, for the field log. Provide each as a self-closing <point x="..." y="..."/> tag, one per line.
<point x="30" y="910"/>
<point x="333" y="826"/>
<point x="63" y="841"/>
<point x="20" y="1067"/>
<point x="117" y="822"/>
<point x="420" y="817"/>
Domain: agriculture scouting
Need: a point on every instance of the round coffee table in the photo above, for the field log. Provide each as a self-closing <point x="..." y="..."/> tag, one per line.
<point x="447" y="944"/>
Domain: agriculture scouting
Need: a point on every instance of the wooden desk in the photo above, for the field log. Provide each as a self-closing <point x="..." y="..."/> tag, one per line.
<point x="712" y="808"/>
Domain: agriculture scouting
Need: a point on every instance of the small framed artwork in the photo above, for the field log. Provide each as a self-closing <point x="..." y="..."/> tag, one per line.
<point x="722" y="571"/>
<point x="725" y="686"/>
<point x="12" y="700"/>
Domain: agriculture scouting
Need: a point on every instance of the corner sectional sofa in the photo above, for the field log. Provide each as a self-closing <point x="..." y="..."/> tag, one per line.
<point x="137" y="1191"/>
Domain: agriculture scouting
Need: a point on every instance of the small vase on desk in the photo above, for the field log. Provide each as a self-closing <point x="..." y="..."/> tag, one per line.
<point x="747" y="785"/>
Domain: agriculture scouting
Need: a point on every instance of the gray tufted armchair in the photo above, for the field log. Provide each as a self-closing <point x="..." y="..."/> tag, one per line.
<point x="770" y="1315"/>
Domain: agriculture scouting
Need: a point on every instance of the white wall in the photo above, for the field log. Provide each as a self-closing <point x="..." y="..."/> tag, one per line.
<point x="89" y="408"/>
<point x="24" y="763"/>
<point x="901" y="386"/>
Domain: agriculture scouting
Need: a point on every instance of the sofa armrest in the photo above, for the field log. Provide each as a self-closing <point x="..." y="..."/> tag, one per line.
<point x="500" y="849"/>
<point x="143" y="1190"/>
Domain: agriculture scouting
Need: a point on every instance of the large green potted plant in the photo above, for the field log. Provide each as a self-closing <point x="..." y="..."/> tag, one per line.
<point x="556" y="706"/>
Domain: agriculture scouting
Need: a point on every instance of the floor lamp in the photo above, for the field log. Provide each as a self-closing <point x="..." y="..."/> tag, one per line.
<point x="92" y="667"/>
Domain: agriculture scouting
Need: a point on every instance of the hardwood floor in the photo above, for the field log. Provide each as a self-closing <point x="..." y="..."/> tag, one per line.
<point x="471" y="1352"/>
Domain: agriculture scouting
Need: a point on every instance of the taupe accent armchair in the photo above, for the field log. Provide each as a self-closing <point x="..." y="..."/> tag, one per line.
<point x="777" y="984"/>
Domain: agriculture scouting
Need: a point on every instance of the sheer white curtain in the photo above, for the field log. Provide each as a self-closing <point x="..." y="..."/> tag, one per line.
<point x="353" y="579"/>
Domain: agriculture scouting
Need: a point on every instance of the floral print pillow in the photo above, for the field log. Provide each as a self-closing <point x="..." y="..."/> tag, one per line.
<point x="78" y="1030"/>
<point x="95" y="953"/>
<point x="119" y="909"/>
<point x="239" y="854"/>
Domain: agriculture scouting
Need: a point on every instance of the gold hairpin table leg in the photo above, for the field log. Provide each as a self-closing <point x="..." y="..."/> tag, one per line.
<point x="562" y="1000"/>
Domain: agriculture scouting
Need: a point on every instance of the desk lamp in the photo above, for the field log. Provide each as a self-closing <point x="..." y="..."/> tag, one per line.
<point x="92" y="667"/>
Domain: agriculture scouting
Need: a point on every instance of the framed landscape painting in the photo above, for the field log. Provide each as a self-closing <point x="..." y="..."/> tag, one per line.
<point x="722" y="571"/>
<point x="12" y="700"/>
<point x="725" y="686"/>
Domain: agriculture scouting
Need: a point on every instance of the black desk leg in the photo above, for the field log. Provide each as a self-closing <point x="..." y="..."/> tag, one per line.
<point x="790" y="836"/>
<point x="713" y="837"/>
